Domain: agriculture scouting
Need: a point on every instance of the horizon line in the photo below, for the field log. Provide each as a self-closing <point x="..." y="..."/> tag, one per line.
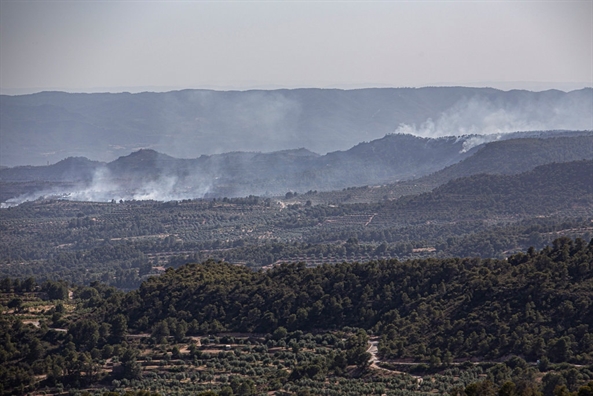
<point x="534" y="86"/>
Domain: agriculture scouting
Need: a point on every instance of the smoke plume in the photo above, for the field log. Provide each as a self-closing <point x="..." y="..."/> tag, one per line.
<point x="490" y="119"/>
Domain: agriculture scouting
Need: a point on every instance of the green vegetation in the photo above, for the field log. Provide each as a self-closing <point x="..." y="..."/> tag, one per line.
<point x="121" y="243"/>
<point x="230" y="330"/>
<point x="330" y="299"/>
<point x="463" y="307"/>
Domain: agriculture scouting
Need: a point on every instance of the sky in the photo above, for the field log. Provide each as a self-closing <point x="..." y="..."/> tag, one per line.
<point x="115" y="46"/>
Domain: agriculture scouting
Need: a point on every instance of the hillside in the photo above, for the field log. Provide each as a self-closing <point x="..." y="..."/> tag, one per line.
<point x="147" y="174"/>
<point x="50" y="126"/>
<point x="463" y="306"/>
<point x="69" y="170"/>
<point x="121" y="242"/>
<point x="353" y="329"/>
<point x="538" y="192"/>
<point x="456" y="285"/>
<point x="517" y="156"/>
<point x="512" y="156"/>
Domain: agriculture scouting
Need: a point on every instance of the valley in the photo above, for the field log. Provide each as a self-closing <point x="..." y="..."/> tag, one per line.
<point x="296" y="198"/>
<point x="121" y="242"/>
<point x="401" y="266"/>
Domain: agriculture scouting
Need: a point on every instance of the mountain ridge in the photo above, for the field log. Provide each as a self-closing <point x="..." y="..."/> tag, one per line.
<point x="428" y="161"/>
<point x="50" y="126"/>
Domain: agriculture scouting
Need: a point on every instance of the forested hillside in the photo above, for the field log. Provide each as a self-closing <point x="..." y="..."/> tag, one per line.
<point x="511" y="156"/>
<point x="536" y="304"/>
<point x="308" y="328"/>
<point x="542" y="191"/>
<point x="147" y="174"/>
<point x="517" y="156"/>
<point x="121" y="242"/>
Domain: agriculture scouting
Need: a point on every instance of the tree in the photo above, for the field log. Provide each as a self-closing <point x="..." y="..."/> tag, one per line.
<point x="119" y="327"/>
<point x="280" y="333"/>
<point x="15" y="303"/>
<point x="226" y="391"/>
<point x="586" y="390"/>
<point x="482" y="388"/>
<point x="550" y="382"/>
<point x="29" y="285"/>
<point x="129" y="366"/>
<point x="161" y="332"/>
<point x="562" y="390"/>
<point x="457" y="391"/>
<point x="56" y="290"/>
<point x="85" y="334"/>
<point x="36" y="350"/>
<point x="179" y="330"/>
<point x="246" y="388"/>
<point x="559" y="350"/>
<point x="507" y="389"/>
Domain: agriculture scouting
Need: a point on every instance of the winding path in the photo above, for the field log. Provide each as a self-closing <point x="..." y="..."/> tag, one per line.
<point x="373" y="349"/>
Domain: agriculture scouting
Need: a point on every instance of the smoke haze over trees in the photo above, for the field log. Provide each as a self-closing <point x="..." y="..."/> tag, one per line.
<point x="51" y="126"/>
<point x="147" y="174"/>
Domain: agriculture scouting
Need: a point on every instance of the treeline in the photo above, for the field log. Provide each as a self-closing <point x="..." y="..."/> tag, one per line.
<point x="486" y="216"/>
<point x="539" y="192"/>
<point x="535" y="305"/>
<point x="552" y="385"/>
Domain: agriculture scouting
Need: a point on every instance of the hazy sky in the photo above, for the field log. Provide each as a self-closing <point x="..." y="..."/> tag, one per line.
<point x="88" y="46"/>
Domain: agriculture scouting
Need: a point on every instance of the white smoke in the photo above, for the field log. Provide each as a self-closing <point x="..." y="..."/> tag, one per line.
<point x="475" y="141"/>
<point x="491" y="119"/>
<point x="207" y="122"/>
<point x="104" y="188"/>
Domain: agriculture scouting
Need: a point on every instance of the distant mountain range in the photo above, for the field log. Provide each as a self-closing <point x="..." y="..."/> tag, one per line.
<point x="46" y="127"/>
<point x="147" y="174"/>
<point x="512" y="156"/>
